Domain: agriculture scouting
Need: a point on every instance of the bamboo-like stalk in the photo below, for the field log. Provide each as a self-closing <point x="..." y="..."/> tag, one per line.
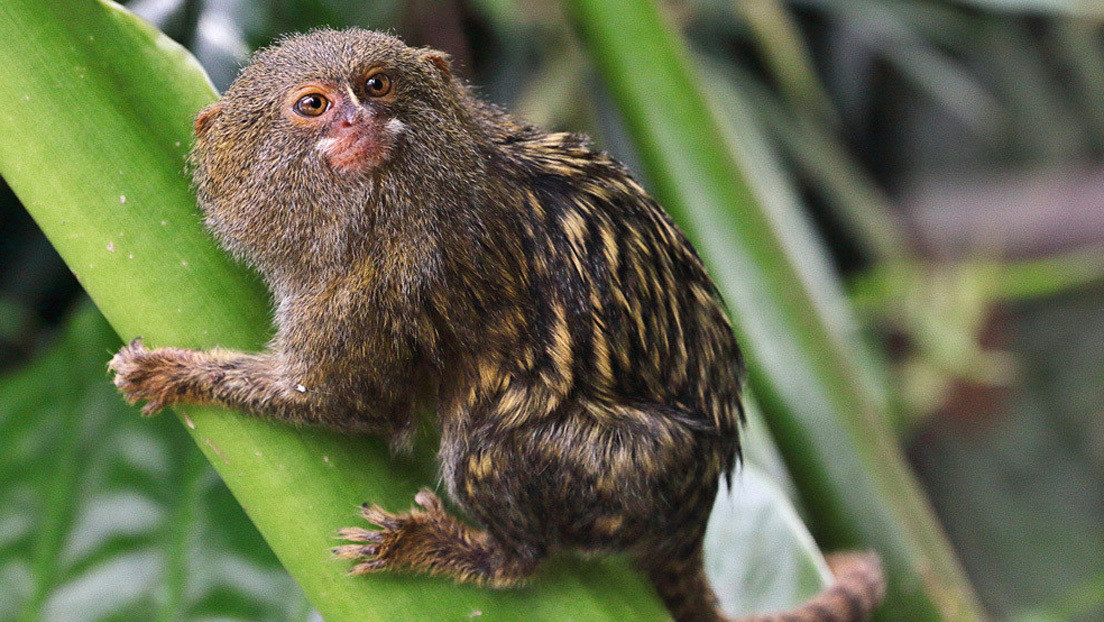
<point x="804" y="363"/>
<point x="785" y="54"/>
<point x="95" y="121"/>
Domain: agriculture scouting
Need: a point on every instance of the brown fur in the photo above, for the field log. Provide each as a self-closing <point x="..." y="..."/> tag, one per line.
<point x="585" y="375"/>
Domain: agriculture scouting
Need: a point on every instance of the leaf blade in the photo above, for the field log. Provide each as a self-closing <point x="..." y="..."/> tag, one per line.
<point x="119" y="97"/>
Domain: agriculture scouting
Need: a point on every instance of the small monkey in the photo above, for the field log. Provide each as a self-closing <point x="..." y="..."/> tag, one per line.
<point x="425" y="248"/>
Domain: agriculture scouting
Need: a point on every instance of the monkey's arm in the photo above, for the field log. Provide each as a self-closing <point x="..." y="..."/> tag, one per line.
<point x="265" y="384"/>
<point x="250" y="382"/>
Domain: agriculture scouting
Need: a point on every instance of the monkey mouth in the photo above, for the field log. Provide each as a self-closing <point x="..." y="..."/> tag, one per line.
<point x="356" y="149"/>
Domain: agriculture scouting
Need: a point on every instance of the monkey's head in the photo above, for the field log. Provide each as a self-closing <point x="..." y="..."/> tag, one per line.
<point x="316" y="128"/>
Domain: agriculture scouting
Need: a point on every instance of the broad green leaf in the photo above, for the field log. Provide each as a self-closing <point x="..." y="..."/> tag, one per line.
<point x="773" y="567"/>
<point x="96" y="120"/>
<point x="97" y="108"/>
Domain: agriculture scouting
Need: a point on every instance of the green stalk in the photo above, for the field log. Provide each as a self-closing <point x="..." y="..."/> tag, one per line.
<point x="95" y="121"/>
<point x="857" y="202"/>
<point x="803" y="358"/>
<point x="787" y="57"/>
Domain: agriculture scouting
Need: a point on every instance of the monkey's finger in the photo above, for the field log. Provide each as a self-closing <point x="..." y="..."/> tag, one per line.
<point x="378" y="516"/>
<point x="364" y="568"/>
<point x="356" y="534"/>
<point x="355" y="551"/>
<point x="128" y="382"/>
<point x="119" y="361"/>
<point x="127" y="355"/>
<point x="128" y="396"/>
<point x="131" y="350"/>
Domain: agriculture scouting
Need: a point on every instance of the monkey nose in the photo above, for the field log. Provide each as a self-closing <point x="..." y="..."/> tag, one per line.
<point x="352" y="116"/>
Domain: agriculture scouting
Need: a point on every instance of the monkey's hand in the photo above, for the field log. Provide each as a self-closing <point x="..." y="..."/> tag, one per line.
<point x="158" y="377"/>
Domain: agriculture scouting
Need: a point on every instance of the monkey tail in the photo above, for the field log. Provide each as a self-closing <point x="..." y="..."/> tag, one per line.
<point x="858" y="589"/>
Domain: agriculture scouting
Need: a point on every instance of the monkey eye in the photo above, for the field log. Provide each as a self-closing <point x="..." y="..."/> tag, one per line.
<point x="312" y="105"/>
<point x="378" y="84"/>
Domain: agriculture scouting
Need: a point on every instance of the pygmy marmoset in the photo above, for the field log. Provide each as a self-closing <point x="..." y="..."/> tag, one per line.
<point x="420" y="243"/>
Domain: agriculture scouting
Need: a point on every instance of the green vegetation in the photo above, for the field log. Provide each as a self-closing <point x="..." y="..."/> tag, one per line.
<point x="774" y="131"/>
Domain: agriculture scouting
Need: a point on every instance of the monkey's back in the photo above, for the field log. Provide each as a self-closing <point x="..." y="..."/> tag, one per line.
<point x="603" y="398"/>
<point x="627" y="312"/>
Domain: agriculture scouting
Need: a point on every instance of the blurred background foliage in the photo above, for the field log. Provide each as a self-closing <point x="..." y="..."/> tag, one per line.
<point x="951" y="154"/>
<point x="113" y="512"/>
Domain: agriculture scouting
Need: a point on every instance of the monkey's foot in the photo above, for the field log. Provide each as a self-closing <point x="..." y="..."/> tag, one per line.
<point x="428" y="540"/>
<point x="157" y="376"/>
<point x="401" y="539"/>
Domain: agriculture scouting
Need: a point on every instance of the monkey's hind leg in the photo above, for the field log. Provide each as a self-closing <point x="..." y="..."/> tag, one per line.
<point x="431" y="541"/>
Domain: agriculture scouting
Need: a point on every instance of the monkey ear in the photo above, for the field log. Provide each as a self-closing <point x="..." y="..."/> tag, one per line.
<point x="439" y="60"/>
<point x="206" y="117"/>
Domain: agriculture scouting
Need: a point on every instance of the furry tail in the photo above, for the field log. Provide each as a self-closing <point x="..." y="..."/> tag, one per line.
<point x="858" y="589"/>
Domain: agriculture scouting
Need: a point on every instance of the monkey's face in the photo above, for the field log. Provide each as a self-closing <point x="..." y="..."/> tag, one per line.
<point x="351" y="124"/>
<point x="340" y="100"/>
<point x="327" y="130"/>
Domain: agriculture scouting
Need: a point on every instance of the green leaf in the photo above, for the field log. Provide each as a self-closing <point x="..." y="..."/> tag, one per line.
<point x="789" y="60"/>
<point x="805" y="362"/>
<point x="774" y="568"/>
<point x="96" y="122"/>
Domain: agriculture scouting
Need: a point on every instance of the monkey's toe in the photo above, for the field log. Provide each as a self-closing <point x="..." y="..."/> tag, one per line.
<point x="378" y="516"/>
<point x="356" y="551"/>
<point x="356" y="534"/>
<point x="399" y="540"/>
<point x="374" y="548"/>
<point x="368" y="567"/>
<point x="430" y="501"/>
